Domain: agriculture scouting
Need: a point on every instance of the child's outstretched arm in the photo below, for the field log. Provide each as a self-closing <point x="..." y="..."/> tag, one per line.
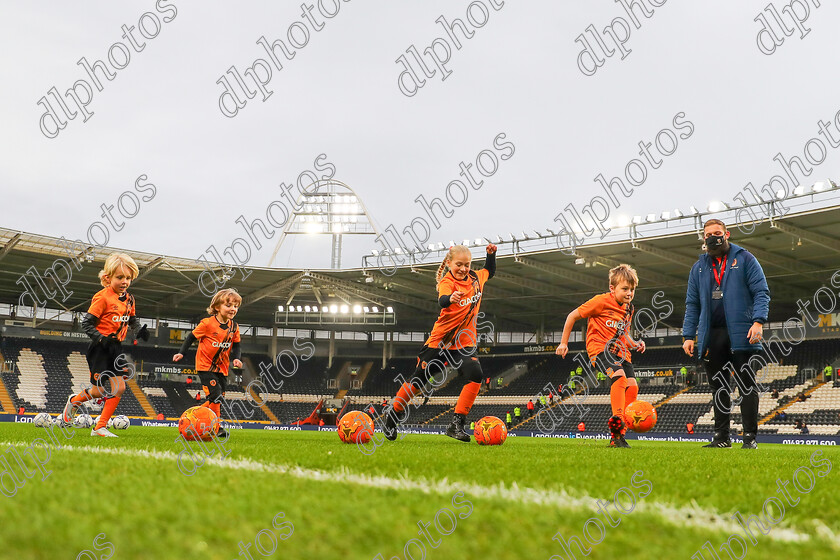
<point x="184" y="347"/>
<point x="140" y="331"/>
<point x="236" y="355"/>
<point x="89" y="323"/>
<point x="89" y="327"/>
<point x="571" y="319"/>
<point x="633" y="345"/>
<point x="490" y="263"/>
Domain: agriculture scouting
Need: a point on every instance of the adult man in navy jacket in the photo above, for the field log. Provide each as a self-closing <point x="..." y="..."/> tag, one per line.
<point x="726" y="306"/>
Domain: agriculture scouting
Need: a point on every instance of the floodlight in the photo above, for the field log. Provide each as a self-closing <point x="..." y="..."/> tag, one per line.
<point x="345" y="309"/>
<point x="357" y="309"/>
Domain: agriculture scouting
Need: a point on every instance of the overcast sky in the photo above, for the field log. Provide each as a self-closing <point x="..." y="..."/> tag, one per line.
<point x="518" y="75"/>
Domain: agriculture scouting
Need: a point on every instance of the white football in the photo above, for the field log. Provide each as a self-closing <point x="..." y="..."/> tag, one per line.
<point x="83" y="421"/>
<point x="121" y="422"/>
<point x="42" y="420"/>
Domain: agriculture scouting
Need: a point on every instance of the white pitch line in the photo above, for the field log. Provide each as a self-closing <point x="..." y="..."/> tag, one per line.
<point x="691" y="515"/>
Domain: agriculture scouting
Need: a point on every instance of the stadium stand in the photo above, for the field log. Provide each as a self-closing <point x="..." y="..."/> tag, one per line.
<point x="310" y="377"/>
<point x="46" y="371"/>
<point x="820" y="410"/>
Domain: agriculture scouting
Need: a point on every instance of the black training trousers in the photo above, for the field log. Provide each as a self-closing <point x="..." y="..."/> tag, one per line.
<point x="720" y="361"/>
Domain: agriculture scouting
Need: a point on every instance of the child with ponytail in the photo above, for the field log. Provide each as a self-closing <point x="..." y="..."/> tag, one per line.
<point x="459" y="296"/>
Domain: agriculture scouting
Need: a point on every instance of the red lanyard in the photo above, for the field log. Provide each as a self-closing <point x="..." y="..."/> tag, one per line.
<point x="719" y="272"/>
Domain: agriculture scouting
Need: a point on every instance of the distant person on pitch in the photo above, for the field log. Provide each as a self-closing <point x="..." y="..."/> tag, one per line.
<point x="726" y="306"/>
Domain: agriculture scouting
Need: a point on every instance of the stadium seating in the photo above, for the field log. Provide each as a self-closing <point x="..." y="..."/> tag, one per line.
<point x="32" y="382"/>
<point x="310" y="377"/>
<point x="48" y="370"/>
<point x="820" y="411"/>
<point x="165" y="398"/>
<point x="42" y="380"/>
<point x="381" y="381"/>
<point x="289" y="412"/>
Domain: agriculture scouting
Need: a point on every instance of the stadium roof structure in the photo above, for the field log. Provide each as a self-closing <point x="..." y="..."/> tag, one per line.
<point x="532" y="291"/>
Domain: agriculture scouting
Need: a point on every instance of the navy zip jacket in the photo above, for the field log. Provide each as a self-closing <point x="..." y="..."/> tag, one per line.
<point x="746" y="299"/>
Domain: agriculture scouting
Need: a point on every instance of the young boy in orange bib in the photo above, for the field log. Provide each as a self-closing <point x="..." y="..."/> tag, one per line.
<point x="608" y="343"/>
<point x="107" y="322"/>
<point x="218" y="343"/>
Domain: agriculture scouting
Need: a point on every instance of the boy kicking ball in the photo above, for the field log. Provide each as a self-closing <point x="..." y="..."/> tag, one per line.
<point x="608" y="343"/>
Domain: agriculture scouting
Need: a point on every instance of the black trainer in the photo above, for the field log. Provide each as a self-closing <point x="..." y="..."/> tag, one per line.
<point x="616" y="427"/>
<point x="389" y="424"/>
<point x="618" y="441"/>
<point x="456" y="429"/>
<point x="749" y="442"/>
<point x="222" y="433"/>
<point x="721" y="440"/>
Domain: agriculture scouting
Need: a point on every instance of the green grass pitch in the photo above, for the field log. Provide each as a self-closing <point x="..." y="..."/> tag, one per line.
<point x="344" y="504"/>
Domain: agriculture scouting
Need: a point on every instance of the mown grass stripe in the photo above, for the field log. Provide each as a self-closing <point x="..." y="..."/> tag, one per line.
<point x="691" y="515"/>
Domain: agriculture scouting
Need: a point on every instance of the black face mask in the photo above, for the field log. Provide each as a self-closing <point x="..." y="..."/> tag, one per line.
<point x="716" y="245"/>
